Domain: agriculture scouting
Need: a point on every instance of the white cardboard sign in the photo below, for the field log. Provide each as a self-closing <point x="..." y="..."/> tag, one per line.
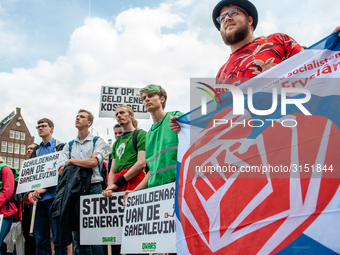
<point x="111" y="97"/>
<point x="39" y="172"/>
<point x="101" y="219"/>
<point x="149" y="221"/>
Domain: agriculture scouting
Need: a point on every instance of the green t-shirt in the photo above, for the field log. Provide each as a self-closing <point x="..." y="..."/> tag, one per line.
<point x="161" y="151"/>
<point x="124" y="152"/>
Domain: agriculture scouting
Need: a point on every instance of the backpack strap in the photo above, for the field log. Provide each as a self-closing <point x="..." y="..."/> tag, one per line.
<point x="14" y="171"/>
<point x="35" y="151"/>
<point x="59" y="145"/>
<point x="71" y="143"/>
<point x="134" y="138"/>
<point x="94" y="141"/>
<point x="70" y="148"/>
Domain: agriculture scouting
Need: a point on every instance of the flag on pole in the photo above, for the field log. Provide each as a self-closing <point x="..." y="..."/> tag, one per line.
<point x="265" y="184"/>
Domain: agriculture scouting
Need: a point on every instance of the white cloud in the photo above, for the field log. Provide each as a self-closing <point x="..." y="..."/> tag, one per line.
<point x="133" y="51"/>
<point x="307" y="21"/>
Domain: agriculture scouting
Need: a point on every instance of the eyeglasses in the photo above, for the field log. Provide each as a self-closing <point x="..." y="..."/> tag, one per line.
<point x="41" y="126"/>
<point x="232" y="13"/>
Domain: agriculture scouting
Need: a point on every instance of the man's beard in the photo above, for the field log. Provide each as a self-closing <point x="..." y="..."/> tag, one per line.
<point x="237" y="35"/>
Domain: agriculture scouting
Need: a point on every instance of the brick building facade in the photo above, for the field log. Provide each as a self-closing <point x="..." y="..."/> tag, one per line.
<point x="14" y="139"/>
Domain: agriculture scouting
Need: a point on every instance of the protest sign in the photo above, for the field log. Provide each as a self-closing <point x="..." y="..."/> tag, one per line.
<point x="101" y="219"/>
<point x="149" y="221"/>
<point x="37" y="173"/>
<point x="111" y="97"/>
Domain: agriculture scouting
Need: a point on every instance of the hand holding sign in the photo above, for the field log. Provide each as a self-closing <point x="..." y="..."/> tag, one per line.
<point x="38" y="173"/>
<point x="34" y="196"/>
<point x="125" y="195"/>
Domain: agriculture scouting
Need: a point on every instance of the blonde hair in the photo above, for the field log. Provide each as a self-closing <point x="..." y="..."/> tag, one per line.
<point x="128" y="108"/>
<point x="90" y="115"/>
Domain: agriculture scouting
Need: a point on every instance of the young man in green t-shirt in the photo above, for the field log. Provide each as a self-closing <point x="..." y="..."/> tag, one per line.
<point x="128" y="156"/>
<point x="161" y="143"/>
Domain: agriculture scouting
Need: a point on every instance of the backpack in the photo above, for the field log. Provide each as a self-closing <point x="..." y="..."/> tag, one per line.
<point x="36" y="149"/>
<point x="134" y="141"/>
<point x="100" y="166"/>
<point x="15" y="198"/>
<point x="59" y="146"/>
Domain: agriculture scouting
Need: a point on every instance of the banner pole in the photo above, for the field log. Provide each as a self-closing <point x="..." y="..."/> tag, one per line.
<point x="33" y="218"/>
<point x="109" y="250"/>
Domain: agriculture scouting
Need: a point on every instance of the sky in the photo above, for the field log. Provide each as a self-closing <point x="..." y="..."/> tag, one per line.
<point x="56" y="54"/>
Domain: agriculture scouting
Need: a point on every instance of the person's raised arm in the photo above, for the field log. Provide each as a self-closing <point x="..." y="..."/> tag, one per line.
<point x="175" y="127"/>
<point x="337" y="29"/>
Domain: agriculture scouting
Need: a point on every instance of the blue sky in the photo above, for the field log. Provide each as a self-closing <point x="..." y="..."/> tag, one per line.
<point x="55" y="55"/>
<point x="44" y="27"/>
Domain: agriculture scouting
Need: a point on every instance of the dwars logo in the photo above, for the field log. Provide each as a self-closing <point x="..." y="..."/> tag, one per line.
<point x="256" y="213"/>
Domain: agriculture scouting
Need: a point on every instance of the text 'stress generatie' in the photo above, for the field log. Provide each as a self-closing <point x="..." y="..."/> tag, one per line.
<point x="101" y="219"/>
<point x="149" y="221"/>
<point x="40" y="172"/>
<point x="112" y="97"/>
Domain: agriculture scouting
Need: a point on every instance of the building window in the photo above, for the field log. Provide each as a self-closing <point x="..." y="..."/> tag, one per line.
<point x="3" y="146"/>
<point x="11" y="134"/>
<point x="23" y="149"/>
<point x="4" y="159"/>
<point x="16" y="148"/>
<point x="21" y="162"/>
<point x="16" y="163"/>
<point x="9" y="161"/>
<point x="23" y="135"/>
<point x="10" y="147"/>
<point x="17" y="135"/>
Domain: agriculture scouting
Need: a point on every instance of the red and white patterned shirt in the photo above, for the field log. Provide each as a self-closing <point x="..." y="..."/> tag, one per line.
<point x="256" y="57"/>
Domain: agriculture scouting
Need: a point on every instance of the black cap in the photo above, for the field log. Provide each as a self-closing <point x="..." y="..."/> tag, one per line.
<point x="244" y="4"/>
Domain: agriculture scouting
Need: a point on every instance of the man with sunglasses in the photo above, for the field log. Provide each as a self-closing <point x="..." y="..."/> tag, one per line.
<point x="45" y="196"/>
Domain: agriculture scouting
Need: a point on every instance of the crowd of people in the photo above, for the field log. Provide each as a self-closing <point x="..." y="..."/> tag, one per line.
<point x="139" y="159"/>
